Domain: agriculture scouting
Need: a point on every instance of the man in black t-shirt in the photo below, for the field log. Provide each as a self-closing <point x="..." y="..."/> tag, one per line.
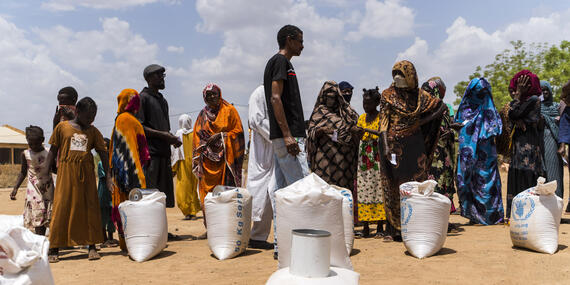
<point x="153" y="115"/>
<point x="285" y="110"/>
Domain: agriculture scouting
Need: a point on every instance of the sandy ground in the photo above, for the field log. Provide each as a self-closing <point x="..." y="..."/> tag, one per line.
<point x="476" y="255"/>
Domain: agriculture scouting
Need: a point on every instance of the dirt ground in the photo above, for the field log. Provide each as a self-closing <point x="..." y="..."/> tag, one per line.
<point x="476" y="255"/>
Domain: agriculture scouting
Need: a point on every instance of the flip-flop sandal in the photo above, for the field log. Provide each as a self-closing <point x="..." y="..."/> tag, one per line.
<point x="53" y="258"/>
<point x="380" y="235"/>
<point x="388" y="238"/>
<point x="93" y="255"/>
<point x="202" y="236"/>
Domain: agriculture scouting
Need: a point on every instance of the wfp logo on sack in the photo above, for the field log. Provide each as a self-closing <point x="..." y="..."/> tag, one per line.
<point x="406" y="211"/>
<point x="523" y="207"/>
<point x="348" y="195"/>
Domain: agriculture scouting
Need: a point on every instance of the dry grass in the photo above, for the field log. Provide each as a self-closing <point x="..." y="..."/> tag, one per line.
<point x="9" y="175"/>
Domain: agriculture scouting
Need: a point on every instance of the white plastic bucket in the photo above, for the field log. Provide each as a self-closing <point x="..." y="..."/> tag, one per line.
<point x="310" y="253"/>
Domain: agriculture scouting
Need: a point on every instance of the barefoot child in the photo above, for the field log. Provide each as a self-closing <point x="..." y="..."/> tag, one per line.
<point x="77" y="217"/>
<point x="39" y="192"/>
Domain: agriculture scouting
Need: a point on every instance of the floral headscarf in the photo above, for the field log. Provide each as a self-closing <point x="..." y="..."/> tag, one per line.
<point x="211" y="113"/>
<point x="128" y="101"/>
<point x="534" y="83"/>
<point x="435" y="87"/>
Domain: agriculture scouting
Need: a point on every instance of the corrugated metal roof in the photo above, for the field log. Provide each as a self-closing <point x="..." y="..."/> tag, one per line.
<point x="11" y="135"/>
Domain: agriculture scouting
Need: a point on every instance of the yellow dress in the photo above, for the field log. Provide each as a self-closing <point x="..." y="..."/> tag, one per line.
<point x="369" y="191"/>
<point x="186" y="182"/>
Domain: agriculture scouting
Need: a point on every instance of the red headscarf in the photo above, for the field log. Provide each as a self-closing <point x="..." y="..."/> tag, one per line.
<point x="534" y="83"/>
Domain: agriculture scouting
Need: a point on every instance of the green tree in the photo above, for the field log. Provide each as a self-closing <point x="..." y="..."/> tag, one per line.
<point x="506" y="65"/>
<point x="556" y="67"/>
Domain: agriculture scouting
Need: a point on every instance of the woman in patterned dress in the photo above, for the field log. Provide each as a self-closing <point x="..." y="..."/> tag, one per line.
<point x="527" y="142"/>
<point x="333" y="138"/>
<point x="478" y="178"/>
<point x="409" y="127"/>
<point x="369" y="188"/>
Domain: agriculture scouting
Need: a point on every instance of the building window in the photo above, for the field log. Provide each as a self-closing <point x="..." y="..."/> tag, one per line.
<point x="5" y="156"/>
<point x="18" y="155"/>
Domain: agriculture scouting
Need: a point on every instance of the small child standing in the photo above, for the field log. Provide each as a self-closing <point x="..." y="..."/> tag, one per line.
<point x="106" y="204"/>
<point x="76" y="213"/>
<point x="39" y="192"/>
<point x="65" y="110"/>
<point x="369" y="188"/>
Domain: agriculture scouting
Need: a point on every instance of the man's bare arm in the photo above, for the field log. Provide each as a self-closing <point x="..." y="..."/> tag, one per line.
<point x="279" y="113"/>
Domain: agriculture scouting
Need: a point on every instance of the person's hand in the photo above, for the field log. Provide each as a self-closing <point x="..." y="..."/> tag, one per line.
<point x="405" y="193"/>
<point x="13" y="194"/>
<point x="456" y="126"/>
<point x="324" y="131"/>
<point x="357" y="131"/>
<point x="292" y="146"/>
<point x="214" y="138"/>
<point x="387" y="154"/>
<point x="173" y="140"/>
<point x="110" y="184"/>
<point x="561" y="150"/>
<point x="523" y="84"/>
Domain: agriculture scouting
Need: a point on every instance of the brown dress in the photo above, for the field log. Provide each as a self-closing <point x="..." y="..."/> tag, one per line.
<point x="76" y="217"/>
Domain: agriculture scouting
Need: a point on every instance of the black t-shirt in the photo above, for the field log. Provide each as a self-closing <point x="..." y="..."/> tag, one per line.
<point x="280" y="68"/>
<point x="153" y="113"/>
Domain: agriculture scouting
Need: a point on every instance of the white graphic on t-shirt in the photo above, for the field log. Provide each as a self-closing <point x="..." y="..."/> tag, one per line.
<point x="78" y="142"/>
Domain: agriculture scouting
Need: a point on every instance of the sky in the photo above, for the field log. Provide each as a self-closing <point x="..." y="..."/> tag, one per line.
<point x="102" y="46"/>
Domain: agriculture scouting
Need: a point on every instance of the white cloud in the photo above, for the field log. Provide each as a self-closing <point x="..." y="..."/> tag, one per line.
<point x="29" y="76"/>
<point x="249" y="30"/>
<point x="175" y="49"/>
<point x="388" y="19"/>
<point x="70" y="5"/>
<point x="105" y="61"/>
<point x="469" y="46"/>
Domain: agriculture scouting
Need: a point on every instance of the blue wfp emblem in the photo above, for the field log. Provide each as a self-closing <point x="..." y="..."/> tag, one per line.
<point x="405" y="212"/>
<point x="348" y="195"/>
<point x="523" y="207"/>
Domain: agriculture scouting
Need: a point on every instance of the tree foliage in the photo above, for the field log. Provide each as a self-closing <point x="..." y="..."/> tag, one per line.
<point x="549" y="62"/>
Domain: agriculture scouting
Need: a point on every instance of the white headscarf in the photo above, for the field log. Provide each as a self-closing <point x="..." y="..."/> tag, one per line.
<point x="185" y="124"/>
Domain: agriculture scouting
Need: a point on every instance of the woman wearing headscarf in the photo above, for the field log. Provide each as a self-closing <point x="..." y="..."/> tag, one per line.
<point x="218" y="143"/>
<point x="552" y="159"/>
<point x="527" y="143"/>
<point x="478" y="178"/>
<point x="128" y="154"/>
<point x="181" y="160"/>
<point x="442" y="168"/>
<point x="333" y="138"/>
<point x="409" y="126"/>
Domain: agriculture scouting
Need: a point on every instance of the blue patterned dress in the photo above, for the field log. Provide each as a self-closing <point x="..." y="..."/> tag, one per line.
<point x="478" y="179"/>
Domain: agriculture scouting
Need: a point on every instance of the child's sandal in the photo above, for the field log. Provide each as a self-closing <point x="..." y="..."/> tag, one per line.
<point x="52" y="258"/>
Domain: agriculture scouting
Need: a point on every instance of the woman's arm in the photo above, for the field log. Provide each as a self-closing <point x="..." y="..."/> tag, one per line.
<point x="434" y="115"/>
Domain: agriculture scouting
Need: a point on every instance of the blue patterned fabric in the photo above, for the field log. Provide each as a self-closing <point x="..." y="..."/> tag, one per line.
<point x="478" y="178"/>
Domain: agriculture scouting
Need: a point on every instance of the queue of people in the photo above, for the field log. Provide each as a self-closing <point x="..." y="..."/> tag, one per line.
<point x="407" y="133"/>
